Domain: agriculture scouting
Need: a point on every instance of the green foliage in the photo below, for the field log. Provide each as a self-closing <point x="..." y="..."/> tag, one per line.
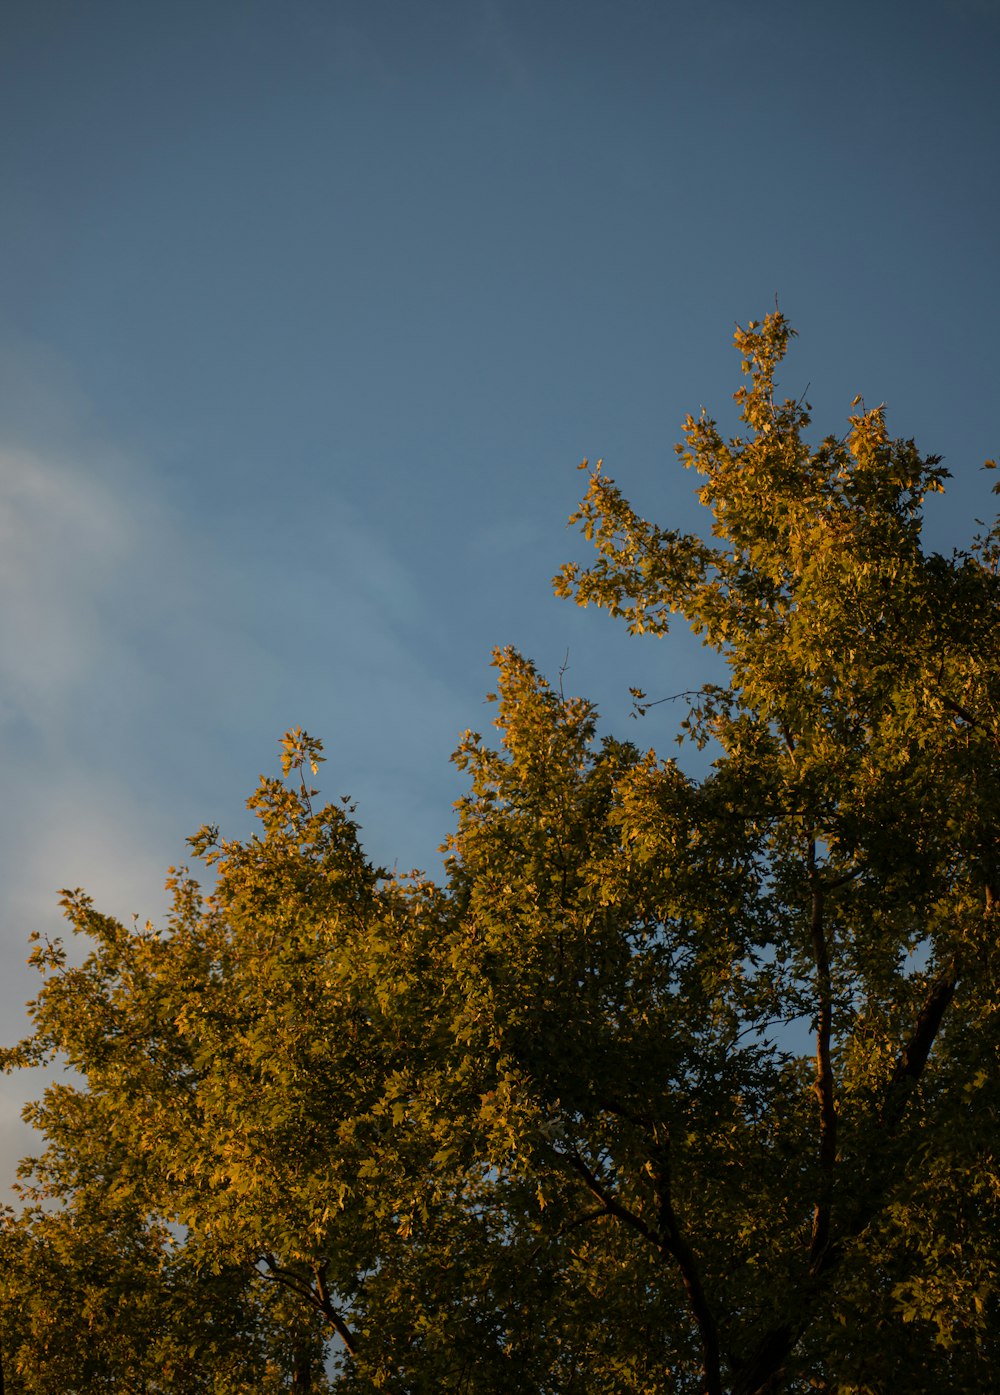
<point x="553" y="1125"/>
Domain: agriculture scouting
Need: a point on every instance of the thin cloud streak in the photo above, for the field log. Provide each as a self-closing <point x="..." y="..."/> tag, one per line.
<point x="148" y="666"/>
<point x="62" y="540"/>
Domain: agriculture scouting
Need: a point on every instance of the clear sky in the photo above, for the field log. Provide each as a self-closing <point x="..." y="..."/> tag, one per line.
<point x="309" y="309"/>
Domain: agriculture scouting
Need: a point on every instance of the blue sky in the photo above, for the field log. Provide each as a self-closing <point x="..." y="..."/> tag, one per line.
<point x="309" y="310"/>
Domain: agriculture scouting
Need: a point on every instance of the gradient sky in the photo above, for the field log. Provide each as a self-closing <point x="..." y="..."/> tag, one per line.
<point x="308" y="310"/>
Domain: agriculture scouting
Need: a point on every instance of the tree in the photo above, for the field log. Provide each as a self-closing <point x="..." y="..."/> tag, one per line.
<point x="673" y="1084"/>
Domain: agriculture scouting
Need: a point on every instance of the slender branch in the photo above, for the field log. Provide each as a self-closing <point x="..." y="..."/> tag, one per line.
<point x="610" y="1202"/>
<point x="968" y="717"/>
<point x="668" y="1241"/>
<point x="682" y="1252"/>
<point x="759" y="1372"/>
<point x="913" y="1057"/>
<point x="837" y="882"/>
<point x="584" y="1218"/>
<point x="289" y="1279"/>
<point x="674" y="697"/>
<point x="762" y="1369"/>
<point x="823" y="1084"/>
<point x="331" y="1314"/>
<point x="639" y="1121"/>
<point x="318" y="1298"/>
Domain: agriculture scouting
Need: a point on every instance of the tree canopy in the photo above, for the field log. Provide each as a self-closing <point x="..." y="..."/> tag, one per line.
<point x="667" y="1085"/>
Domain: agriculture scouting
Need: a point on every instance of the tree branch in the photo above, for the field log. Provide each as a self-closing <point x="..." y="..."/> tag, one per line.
<point x="823" y="1084"/>
<point x="610" y="1202"/>
<point x="331" y="1314"/>
<point x="913" y="1057"/>
<point x="837" y="882"/>
<point x="670" y="1241"/>
<point x="584" y="1218"/>
<point x="677" y="1245"/>
<point x="318" y="1297"/>
<point x="760" y="1372"/>
<point x="968" y="717"/>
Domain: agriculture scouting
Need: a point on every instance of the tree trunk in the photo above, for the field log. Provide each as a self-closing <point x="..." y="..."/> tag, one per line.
<point x="302" y="1376"/>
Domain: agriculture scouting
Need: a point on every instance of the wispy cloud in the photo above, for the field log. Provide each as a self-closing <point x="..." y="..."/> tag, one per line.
<point x="150" y="656"/>
<point x="63" y="538"/>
